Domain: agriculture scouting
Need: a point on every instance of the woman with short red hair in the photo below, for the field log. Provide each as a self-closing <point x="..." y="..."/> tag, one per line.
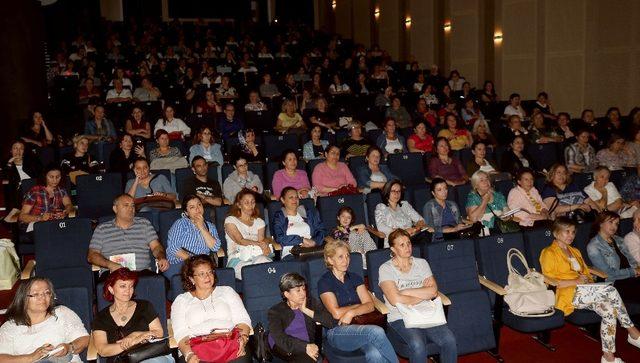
<point x="126" y="322"/>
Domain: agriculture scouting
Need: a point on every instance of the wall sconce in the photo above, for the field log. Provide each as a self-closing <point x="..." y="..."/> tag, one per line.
<point x="497" y="37"/>
<point x="334" y="3"/>
<point x="447" y="26"/>
<point x="376" y="12"/>
<point x="407" y="22"/>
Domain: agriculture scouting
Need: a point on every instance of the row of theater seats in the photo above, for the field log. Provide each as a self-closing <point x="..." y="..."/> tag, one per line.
<point x="470" y="273"/>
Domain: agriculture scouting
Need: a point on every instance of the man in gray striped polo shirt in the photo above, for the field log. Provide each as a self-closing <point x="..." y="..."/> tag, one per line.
<point x="126" y="240"/>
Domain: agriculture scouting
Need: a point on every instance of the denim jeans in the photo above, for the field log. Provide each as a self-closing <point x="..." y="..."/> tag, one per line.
<point x="173" y="270"/>
<point x="161" y="359"/>
<point x="417" y="340"/>
<point x="370" y="338"/>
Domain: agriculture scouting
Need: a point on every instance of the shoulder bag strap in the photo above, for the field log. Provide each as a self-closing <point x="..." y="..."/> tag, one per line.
<point x="514" y="252"/>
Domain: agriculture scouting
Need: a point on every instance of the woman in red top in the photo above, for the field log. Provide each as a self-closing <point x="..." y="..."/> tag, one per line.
<point x="208" y="105"/>
<point x="421" y="141"/>
<point x="137" y="126"/>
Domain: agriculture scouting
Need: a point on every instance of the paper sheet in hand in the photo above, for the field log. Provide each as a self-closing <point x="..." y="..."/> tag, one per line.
<point x="127" y="260"/>
<point x="510" y="213"/>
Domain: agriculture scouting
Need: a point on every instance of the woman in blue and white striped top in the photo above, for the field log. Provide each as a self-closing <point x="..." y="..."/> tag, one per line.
<point x="190" y="235"/>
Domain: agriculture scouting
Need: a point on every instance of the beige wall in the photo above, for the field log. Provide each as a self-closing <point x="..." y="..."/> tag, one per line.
<point x="362" y="21"/>
<point x="463" y="45"/>
<point x="344" y="23"/>
<point x="111" y="10"/>
<point x="422" y="34"/>
<point x="389" y="28"/>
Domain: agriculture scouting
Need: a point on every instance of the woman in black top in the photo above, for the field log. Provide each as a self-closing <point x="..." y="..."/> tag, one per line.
<point x="36" y="134"/>
<point x="20" y="166"/>
<point x="121" y="159"/>
<point x="79" y="160"/>
<point x="516" y="157"/>
<point x="125" y="322"/>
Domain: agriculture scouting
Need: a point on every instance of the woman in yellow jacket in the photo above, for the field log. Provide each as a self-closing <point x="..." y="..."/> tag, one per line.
<point x="565" y="264"/>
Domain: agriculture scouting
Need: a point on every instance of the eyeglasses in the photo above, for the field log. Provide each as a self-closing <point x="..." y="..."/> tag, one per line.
<point x="241" y="165"/>
<point x="39" y="295"/>
<point x="204" y="274"/>
<point x="396" y="191"/>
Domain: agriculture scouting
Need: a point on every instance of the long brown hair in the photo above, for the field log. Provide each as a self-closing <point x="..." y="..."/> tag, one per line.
<point x="17" y="311"/>
<point x="235" y="211"/>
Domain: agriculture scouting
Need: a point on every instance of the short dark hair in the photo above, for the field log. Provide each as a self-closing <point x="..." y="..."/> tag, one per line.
<point x="160" y="132"/>
<point x="348" y="210"/>
<point x="287" y="152"/>
<point x="513" y="95"/>
<point x="523" y="171"/>
<point x="543" y="94"/>
<point x="196" y="158"/>
<point x="190" y="264"/>
<point x="386" y="190"/>
<point x="603" y="217"/>
<point x="187" y="198"/>
<point x="289" y="281"/>
<point x="434" y="183"/>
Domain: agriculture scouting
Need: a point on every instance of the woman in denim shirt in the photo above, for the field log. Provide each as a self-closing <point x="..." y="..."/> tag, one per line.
<point x="609" y="254"/>
<point x="442" y="214"/>
<point x="373" y="175"/>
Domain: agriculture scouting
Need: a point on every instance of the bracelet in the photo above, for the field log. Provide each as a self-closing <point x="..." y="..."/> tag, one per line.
<point x="73" y="348"/>
<point x="188" y="356"/>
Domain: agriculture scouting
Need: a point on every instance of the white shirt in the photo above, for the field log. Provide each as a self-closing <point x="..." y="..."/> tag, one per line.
<point x="298" y="227"/>
<point x="114" y="94"/>
<point x="223" y="309"/>
<point x="21" y="172"/>
<point x="247" y="232"/>
<point x="64" y="327"/>
<point x="393" y="145"/>
<point x="632" y="241"/>
<point x="510" y="110"/>
<point x="176" y="125"/>
<point x="612" y="192"/>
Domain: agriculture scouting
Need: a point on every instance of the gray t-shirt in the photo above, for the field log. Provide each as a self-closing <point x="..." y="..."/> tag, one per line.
<point x="420" y="270"/>
<point x="159" y="183"/>
<point x="110" y="240"/>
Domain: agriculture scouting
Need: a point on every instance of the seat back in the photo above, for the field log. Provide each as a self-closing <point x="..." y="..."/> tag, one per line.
<point x="150" y="288"/>
<point x="372" y="200"/>
<point x="274" y="145"/>
<point x="454" y="265"/>
<point x="221" y="213"/>
<point x="311" y="164"/>
<point x="165" y="221"/>
<point x="62" y="243"/>
<point x="355" y="163"/>
<point x="544" y="155"/>
<point x="316" y="268"/>
<point x="626" y="226"/>
<point x="182" y="175"/>
<point x="329" y="206"/>
<point x="419" y="196"/>
<point x="408" y="167"/>
<point x="535" y="241"/>
<point x="260" y="286"/>
<point x="96" y="193"/>
<point x="78" y="299"/>
<point x="491" y="253"/>
<point x="583" y="234"/>
<point x="461" y="193"/>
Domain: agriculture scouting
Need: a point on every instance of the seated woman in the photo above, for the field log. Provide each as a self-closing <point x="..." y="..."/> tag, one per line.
<point x="190" y="235"/>
<point x="398" y="113"/>
<point x="564" y="263"/>
<point x="45" y="201"/>
<point x="126" y="322"/>
<point x="332" y="175"/>
<point x="121" y="159"/>
<point x="208" y="105"/>
<point x="290" y="121"/>
<point x="373" y="175"/>
<point x="390" y="142"/>
<point x="36" y="134"/>
<point x="420" y="141"/>
<point x="539" y="133"/>
<point x="295" y="224"/>
<point x="516" y="157"/>
<point x="175" y="127"/>
<point x="471" y="112"/>
<point x="458" y="137"/>
<point x="99" y="128"/>
<point x="314" y="148"/>
<point x="484" y="204"/>
<point x="338" y="87"/>
<point x="602" y="192"/>
<point x="290" y="176"/>
<point x="355" y="236"/>
<point x="445" y="166"/>
<point x="561" y="192"/>
<point x="321" y="115"/>
<point x="615" y="156"/>
<point x="241" y="178"/>
<point x="356" y="144"/>
<point x="292" y="322"/>
<point x="137" y="126"/>
<point x="345" y="296"/>
<point x="480" y="162"/>
<point x="204" y="144"/>
<point x="205" y="307"/>
<point x="254" y="104"/>
<point x="408" y="280"/>
<point x="244" y="232"/>
<point x="608" y="253"/>
<point x="482" y="132"/>
<point x="440" y="213"/>
<point x="145" y="183"/>
<point x="247" y="147"/>
<point x="526" y="197"/>
<point x="35" y="325"/>
<point x="394" y="212"/>
<point x="632" y="239"/>
<point x="79" y="161"/>
<point x="581" y="156"/>
<point x="164" y="150"/>
<point x="20" y="166"/>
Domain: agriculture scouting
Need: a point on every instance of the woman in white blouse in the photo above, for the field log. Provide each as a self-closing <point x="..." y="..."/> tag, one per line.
<point x="205" y="307"/>
<point x="35" y="326"/>
<point x="632" y="239"/>
<point x="176" y="128"/>
<point x="244" y="232"/>
<point x="526" y="197"/>
<point x="394" y="212"/>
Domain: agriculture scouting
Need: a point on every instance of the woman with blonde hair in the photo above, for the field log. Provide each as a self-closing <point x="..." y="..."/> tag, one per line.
<point x="289" y="120"/>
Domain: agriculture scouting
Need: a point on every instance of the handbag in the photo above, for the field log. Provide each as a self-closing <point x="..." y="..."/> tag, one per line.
<point x="373" y="318"/>
<point x="471" y="232"/>
<point x="304" y="253"/>
<point x="261" y="352"/>
<point x="216" y="347"/>
<point x="9" y="265"/>
<point x="505" y="226"/>
<point x="142" y="351"/>
<point x="344" y="190"/>
<point x="425" y="314"/>
<point x="527" y="295"/>
<point x="156" y="202"/>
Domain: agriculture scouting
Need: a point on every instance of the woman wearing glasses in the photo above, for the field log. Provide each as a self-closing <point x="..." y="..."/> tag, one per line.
<point x="241" y="178"/>
<point x="126" y="322"/>
<point x="35" y="326"/>
<point x="205" y="306"/>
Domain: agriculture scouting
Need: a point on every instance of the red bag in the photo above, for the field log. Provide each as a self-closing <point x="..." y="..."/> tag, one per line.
<point x="216" y="347"/>
<point x="344" y="190"/>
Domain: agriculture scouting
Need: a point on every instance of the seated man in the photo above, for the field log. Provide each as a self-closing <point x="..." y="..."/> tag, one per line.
<point x="125" y="241"/>
<point x="146" y="91"/>
<point x="118" y="93"/>
<point x="200" y="184"/>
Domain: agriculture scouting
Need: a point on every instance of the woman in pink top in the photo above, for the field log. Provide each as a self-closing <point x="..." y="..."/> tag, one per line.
<point x="331" y="174"/>
<point x="526" y="197"/>
<point x="290" y="176"/>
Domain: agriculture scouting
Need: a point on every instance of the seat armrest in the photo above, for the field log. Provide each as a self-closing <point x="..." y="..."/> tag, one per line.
<point x="172" y="341"/>
<point x="599" y="273"/>
<point x="276" y="246"/>
<point x="178" y="204"/>
<point x="12" y="216"/>
<point x="551" y="281"/>
<point x="380" y="306"/>
<point x="221" y="253"/>
<point x="28" y="270"/>
<point x="95" y="268"/>
<point x="492" y="286"/>
<point x="92" y="352"/>
<point x="73" y="213"/>
<point x="445" y="299"/>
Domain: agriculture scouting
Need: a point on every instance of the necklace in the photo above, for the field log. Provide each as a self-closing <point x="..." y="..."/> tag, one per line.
<point x="123" y="316"/>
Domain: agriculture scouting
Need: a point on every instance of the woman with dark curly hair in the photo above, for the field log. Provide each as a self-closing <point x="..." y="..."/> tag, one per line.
<point x="205" y="307"/>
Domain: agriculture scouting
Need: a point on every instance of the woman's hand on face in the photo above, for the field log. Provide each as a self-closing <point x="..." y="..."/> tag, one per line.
<point x="139" y="150"/>
<point x="303" y="193"/>
<point x="198" y="220"/>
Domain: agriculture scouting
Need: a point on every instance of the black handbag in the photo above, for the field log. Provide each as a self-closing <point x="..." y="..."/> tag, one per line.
<point x="142" y="351"/>
<point x="262" y="352"/>
<point x="472" y="232"/>
<point x="505" y="226"/>
<point x="304" y="253"/>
